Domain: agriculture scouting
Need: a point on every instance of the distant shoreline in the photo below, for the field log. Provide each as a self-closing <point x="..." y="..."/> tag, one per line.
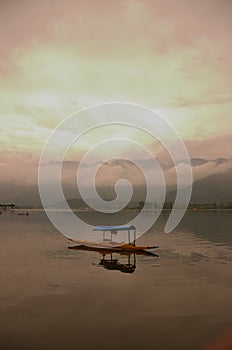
<point x="126" y="209"/>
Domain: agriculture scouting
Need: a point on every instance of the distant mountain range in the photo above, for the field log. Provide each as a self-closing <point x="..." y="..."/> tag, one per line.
<point x="212" y="188"/>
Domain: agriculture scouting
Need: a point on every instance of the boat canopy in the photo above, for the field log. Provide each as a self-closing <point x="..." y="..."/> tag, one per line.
<point x="114" y="228"/>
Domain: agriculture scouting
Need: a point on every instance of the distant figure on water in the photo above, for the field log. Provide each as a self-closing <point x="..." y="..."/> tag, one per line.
<point x="24" y="213"/>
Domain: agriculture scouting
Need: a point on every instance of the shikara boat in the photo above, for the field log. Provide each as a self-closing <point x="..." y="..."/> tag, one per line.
<point x="108" y="244"/>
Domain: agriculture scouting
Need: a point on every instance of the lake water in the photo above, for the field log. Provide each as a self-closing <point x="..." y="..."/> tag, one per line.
<point x="52" y="297"/>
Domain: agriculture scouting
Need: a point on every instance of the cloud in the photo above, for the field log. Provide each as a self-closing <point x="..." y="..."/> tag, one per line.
<point x="211" y="148"/>
<point x="172" y="56"/>
<point x="95" y="25"/>
<point x="215" y="99"/>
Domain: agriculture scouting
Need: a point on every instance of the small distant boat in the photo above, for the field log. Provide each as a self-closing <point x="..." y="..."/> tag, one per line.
<point x="110" y="245"/>
<point x="24" y="213"/>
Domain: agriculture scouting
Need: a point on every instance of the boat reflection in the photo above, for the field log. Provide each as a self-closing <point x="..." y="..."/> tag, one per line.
<point x="127" y="266"/>
<point x="115" y="264"/>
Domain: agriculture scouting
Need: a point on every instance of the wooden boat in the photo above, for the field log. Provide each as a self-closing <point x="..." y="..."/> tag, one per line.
<point x="107" y="242"/>
<point x="104" y="251"/>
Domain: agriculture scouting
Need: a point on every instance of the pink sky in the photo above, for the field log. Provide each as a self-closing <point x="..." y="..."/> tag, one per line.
<point x="59" y="56"/>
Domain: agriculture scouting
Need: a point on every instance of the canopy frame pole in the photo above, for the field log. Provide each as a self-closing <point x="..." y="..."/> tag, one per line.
<point x="129" y="236"/>
<point x="134" y="260"/>
<point x="134" y="236"/>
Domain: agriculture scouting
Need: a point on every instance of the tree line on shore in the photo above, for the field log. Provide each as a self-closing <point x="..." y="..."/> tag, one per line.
<point x="167" y="205"/>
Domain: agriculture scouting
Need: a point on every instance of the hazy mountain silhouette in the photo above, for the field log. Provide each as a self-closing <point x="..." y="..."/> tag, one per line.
<point x="213" y="188"/>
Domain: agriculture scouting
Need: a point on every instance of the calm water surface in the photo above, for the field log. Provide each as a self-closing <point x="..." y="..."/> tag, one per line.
<point x="52" y="297"/>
